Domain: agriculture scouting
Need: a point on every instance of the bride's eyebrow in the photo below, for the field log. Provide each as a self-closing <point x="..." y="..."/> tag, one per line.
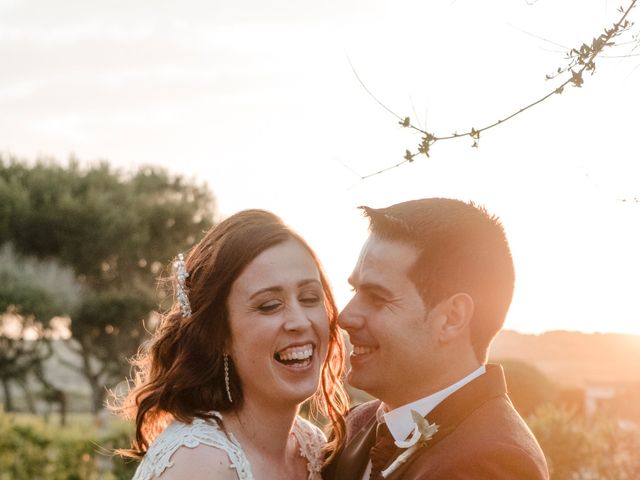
<point x="307" y="281"/>
<point x="279" y="289"/>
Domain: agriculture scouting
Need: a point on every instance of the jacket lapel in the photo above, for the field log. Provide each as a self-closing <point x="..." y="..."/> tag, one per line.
<point x="458" y="406"/>
<point x="355" y="456"/>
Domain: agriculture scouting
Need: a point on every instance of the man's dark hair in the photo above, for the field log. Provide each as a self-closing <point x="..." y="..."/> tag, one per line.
<point x="461" y="249"/>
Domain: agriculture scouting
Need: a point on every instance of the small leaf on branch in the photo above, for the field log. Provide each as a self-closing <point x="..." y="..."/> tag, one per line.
<point x="560" y="89"/>
<point x="584" y="49"/>
<point x="408" y="156"/>
<point x="576" y="78"/>
<point x="474" y="133"/>
<point x="598" y="43"/>
<point x="426" y="142"/>
<point x="406" y="122"/>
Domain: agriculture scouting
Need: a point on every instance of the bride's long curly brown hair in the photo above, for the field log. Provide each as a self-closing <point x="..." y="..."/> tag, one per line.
<point x="179" y="374"/>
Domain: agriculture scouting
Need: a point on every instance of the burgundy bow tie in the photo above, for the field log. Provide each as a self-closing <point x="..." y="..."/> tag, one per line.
<point x="381" y="452"/>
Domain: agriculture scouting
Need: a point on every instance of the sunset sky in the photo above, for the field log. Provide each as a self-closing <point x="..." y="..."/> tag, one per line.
<point x="259" y="100"/>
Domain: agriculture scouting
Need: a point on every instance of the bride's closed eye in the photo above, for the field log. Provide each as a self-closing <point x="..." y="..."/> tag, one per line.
<point x="271" y="306"/>
<point x="310" y="299"/>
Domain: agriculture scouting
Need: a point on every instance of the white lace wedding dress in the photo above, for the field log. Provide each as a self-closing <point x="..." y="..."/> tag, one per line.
<point x="178" y="434"/>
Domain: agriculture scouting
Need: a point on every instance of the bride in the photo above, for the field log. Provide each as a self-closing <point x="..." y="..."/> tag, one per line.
<point x="252" y="335"/>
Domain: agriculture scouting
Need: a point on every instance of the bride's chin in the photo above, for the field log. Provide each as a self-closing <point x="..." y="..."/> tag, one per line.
<point x="296" y="384"/>
<point x="297" y="393"/>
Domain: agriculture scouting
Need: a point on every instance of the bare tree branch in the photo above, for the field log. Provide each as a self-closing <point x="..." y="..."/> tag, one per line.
<point x="581" y="60"/>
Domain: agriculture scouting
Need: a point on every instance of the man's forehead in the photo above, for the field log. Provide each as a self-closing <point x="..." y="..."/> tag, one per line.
<point x="380" y="248"/>
<point x="384" y="257"/>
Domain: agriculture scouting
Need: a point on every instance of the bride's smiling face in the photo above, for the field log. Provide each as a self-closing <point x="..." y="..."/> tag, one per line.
<point x="279" y="325"/>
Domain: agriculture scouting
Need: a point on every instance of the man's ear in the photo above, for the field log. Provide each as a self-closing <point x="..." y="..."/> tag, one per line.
<point x="455" y="313"/>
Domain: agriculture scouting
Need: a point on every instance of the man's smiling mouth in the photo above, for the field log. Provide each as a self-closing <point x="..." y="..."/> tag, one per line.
<point x="363" y="350"/>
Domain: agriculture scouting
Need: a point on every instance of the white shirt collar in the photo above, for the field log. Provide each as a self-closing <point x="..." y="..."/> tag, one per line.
<point x="399" y="420"/>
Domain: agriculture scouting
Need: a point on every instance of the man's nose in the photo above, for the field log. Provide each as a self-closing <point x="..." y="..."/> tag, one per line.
<point x="350" y="318"/>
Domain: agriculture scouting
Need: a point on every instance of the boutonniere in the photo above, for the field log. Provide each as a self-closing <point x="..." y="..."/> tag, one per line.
<point x="422" y="433"/>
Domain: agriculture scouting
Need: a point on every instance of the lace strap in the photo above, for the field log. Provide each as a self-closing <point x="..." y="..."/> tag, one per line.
<point x="311" y="440"/>
<point x="198" y="432"/>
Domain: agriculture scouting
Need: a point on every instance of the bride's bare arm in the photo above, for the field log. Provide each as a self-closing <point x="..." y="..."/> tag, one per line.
<point x="200" y="463"/>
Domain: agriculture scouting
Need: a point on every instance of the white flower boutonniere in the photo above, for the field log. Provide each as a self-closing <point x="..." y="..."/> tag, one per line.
<point x="422" y="433"/>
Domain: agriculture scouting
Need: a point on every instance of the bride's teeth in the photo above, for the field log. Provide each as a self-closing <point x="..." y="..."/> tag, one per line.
<point x="296" y="353"/>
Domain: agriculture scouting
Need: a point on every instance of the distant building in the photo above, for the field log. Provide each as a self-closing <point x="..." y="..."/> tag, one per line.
<point x="616" y="400"/>
<point x="600" y="397"/>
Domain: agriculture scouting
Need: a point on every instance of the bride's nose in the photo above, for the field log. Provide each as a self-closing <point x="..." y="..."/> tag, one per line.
<point x="296" y="317"/>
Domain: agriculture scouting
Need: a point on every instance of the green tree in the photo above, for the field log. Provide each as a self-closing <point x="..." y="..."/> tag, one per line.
<point x="528" y="387"/>
<point x="113" y="229"/>
<point x="19" y="353"/>
<point x="31" y="293"/>
<point x="116" y="231"/>
<point x="107" y="330"/>
<point x="595" y="448"/>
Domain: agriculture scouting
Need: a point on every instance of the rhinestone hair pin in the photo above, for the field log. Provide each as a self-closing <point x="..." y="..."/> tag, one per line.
<point x="181" y="292"/>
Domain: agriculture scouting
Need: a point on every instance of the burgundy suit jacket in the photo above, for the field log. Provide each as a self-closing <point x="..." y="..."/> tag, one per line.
<point x="480" y="437"/>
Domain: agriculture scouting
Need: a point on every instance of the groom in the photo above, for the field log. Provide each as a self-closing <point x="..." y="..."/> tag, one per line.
<point x="432" y="288"/>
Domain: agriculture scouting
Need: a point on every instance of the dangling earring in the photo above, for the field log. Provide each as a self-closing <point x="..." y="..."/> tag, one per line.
<point x="226" y="378"/>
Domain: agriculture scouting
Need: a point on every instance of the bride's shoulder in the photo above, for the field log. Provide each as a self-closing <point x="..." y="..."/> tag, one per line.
<point x="309" y="431"/>
<point x="200" y="462"/>
<point x="311" y="440"/>
<point x="191" y="450"/>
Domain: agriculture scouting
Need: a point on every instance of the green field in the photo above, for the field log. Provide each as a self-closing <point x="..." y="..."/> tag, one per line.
<point x="576" y="447"/>
<point x="33" y="449"/>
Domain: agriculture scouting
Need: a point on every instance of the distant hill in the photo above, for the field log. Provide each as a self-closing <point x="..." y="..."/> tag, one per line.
<point x="571" y="359"/>
<point x="574" y="359"/>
